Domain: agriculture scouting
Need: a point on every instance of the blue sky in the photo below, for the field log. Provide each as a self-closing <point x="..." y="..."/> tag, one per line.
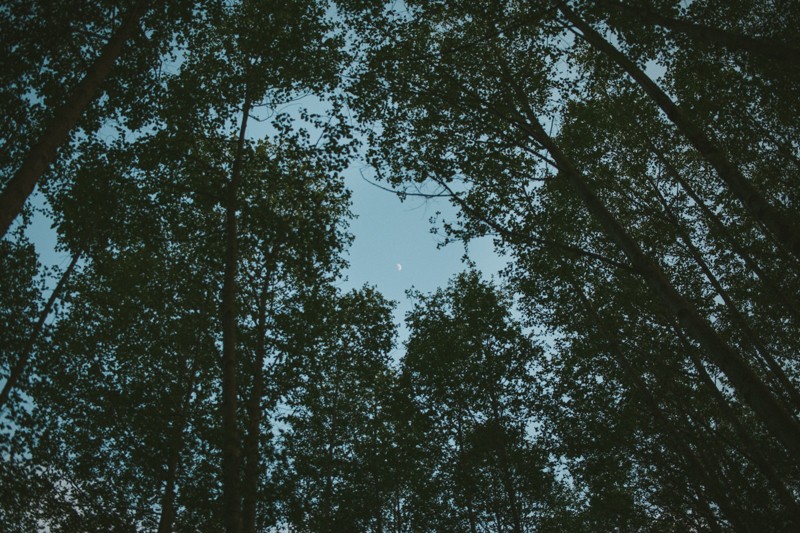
<point x="389" y="232"/>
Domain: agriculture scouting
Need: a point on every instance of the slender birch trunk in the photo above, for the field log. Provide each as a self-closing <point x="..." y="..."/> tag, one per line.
<point x="774" y="367"/>
<point x="673" y="437"/>
<point x="783" y="229"/>
<point x="252" y="457"/>
<point x="714" y="222"/>
<point x="779" y="422"/>
<point x="167" y="517"/>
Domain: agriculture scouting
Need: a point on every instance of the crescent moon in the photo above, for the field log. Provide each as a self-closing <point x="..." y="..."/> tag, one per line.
<point x="399" y="267"/>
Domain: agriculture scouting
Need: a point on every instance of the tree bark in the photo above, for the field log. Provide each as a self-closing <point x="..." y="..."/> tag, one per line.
<point x="42" y="154"/>
<point x="780" y="227"/>
<point x="25" y="354"/>
<point x="252" y="457"/>
<point x="231" y="451"/>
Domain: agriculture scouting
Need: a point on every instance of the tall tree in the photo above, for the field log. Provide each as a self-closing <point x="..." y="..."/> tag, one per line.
<point x="470" y="366"/>
<point x="329" y="476"/>
<point x="72" y="106"/>
<point x="265" y="61"/>
<point x="481" y="107"/>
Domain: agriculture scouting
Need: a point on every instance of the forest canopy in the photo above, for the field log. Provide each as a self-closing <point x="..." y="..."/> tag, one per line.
<point x="196" y="365"/>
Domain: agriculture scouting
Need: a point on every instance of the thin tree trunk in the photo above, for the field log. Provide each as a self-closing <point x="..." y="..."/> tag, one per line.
<point x="505" y="470"/>
<point x="783" y="229"/>
<point x="753" y="451"/>
<point x="231" y="451"/>
<point x="714" y="222"/>
<point x="25" y="354"/>
<point x="508" y="483"/>
<point x="778" y="421"/>
<point x="705" y="510"/>
<point x="252" y="457"/>
<point x="672" y="435"/>
<point x="167" y="517"/>
<point x="42" y="154"/>
<point x="468" y="489"/>
<point x="708" y="34"/>
<point x="782" y="147"/>
<point x="327" y="496"/>
<point x="380" y="497"/>
<point x="750" y="336"/>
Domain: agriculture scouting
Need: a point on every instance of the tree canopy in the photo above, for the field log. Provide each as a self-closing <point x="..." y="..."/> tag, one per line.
<point x="197" y="365"/>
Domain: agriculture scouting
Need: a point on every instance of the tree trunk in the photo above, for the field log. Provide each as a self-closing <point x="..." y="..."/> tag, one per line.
<point x="231" y="452"/>
<point x="327" y="496"/>
<point x="747" y="384"/>
<point x="42" y="154"/>
<point x="252" y="457"/>
<point x="781" y="228"/>
<point x="25" y="354"/>
<point x="752" y="450"/>
<point x="710" y="35"/>
<point x="714" y="222"/>
<point x="775" y="369"/>
<point x="674" y="440"/>
<point x="468" y="487"/>
<point x="167" y="517"/>
<point x="505" y="469"/>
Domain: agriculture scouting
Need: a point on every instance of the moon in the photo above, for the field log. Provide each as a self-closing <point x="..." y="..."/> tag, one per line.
<point x="399" y="267"/>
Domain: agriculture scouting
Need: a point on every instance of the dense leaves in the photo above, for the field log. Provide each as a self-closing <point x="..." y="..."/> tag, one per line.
<point x="192" y="362"/>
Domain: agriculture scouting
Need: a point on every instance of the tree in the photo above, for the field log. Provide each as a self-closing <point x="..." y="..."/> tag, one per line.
<point x="68" y="114"/>
<point x="332" y="473"/>
<point x="568" y="173"/>
<point x="471" y="367"/>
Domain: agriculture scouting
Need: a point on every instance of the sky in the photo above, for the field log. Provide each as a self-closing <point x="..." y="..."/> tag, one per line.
<point x="389" y="233"/>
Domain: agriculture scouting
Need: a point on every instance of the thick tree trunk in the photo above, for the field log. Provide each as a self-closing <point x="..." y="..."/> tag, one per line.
<point x="252" y="457"/>
<point x="783" y="230"/>
<point x="42" y="154"/>
<point x="708" y="34"/>
<point x="25" y="354"/>
<point x="231" y="451"/>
